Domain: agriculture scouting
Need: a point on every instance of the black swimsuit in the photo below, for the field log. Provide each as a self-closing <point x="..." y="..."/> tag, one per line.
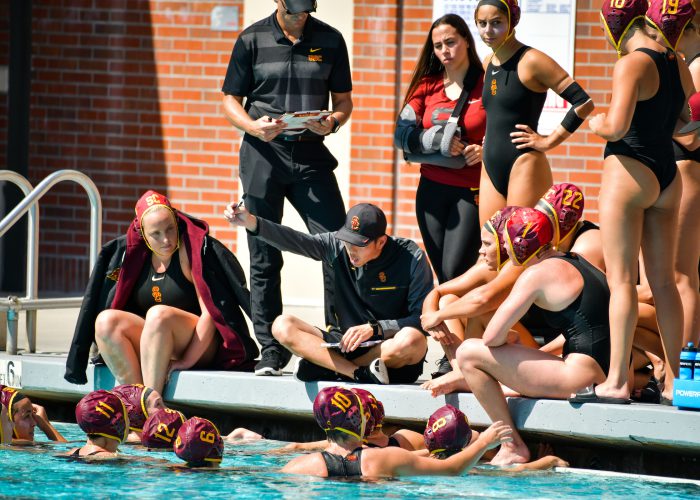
<point x="507" y="102"/>
<point x="170" y="288"/>
<point x="681" y="153"/>
<point x="584" y="226"/>
<point x="392" y="442"/>
<point x="649" y="138"/>
<point x="584" y="322"/>
<point x="339" y="466"/>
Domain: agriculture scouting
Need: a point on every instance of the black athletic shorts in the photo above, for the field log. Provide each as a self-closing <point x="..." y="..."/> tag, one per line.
<point x="404" y="375"/>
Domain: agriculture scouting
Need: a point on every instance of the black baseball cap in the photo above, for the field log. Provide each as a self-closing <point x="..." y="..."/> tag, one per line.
<point x="299" y="6"/>
<point x="365" y="222"/>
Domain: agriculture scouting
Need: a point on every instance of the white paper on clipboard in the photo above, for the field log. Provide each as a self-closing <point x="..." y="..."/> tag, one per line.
<point x="298" y="119"/>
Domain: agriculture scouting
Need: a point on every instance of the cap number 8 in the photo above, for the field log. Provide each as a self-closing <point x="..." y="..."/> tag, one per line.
<point x="439" y="423"/>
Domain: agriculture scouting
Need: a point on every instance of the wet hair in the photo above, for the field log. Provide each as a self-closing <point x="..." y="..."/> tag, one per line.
<point x="339" y="437"/>
<point x="428" y="64"/>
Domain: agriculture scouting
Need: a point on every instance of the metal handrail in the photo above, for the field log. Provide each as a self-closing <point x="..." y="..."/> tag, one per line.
<point x="28" y="204"/>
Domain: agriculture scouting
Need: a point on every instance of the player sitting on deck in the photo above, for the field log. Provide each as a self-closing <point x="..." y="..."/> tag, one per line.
<point x="380" y="282"/>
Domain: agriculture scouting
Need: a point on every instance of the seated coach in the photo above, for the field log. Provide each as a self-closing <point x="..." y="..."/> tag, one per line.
<point x="380" y="283"/>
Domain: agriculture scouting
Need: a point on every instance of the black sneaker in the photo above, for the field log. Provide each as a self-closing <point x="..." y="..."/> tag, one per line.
<point x="306" y="371"/>
<point x="271" y="363"/>
<point x="375" y="373"/>
<point x="444" y="367"/>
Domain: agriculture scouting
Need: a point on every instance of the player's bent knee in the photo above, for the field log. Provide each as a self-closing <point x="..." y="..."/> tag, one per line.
<point x="469" y="351"/>
<point x="107" y="326"/>
<point x="158" y="315"/>
<point x="282" y="327"/>
<point x="447" y="299"/>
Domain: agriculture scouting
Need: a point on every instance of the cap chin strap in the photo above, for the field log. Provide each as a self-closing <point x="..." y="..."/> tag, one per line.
<point x="144" y="397"/>
<point x="351" y="433"/>
<point x="108" y="436"/>
<point x="143" y="235"/>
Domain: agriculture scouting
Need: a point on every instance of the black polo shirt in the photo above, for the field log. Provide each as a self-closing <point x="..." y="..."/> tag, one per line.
<point x="277" y="76"/>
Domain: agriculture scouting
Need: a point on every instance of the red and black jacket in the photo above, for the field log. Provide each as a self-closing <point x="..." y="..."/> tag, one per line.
<point x="216" y="272"/>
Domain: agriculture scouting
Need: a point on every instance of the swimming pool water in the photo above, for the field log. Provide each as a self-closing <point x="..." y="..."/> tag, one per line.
<point x="248" y="472"/>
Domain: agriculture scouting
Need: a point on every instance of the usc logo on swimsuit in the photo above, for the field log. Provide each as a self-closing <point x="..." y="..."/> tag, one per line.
<point x="157" y="296"/>
<point x="494" y="87"/>
<point x="113" y="274"/>
<point x="355" y="223"/>
<point x="382" y="277"/>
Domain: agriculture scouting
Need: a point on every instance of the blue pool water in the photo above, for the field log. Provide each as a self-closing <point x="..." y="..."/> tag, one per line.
<point x="247" y="472"/>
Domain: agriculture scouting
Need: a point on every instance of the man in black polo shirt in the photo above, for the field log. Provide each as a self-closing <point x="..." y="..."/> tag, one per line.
<point x="380" y="285"/>
<point x="287" y="62"/>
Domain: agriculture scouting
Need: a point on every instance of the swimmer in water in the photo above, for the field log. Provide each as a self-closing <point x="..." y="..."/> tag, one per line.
<point x="161" y="428"/>
<point x="448" y="432"/>
<point x="26" y="416"/>
<point x="105" y="420"/>
<point x="375" y="437"/>
<point x="199" y="443"/>
<point x="339" y="412"/>
<point x="140" y="402"/>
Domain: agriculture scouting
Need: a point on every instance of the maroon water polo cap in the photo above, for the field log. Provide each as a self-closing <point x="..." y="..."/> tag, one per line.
<point x="447" y="431"/>
<point x="670" y="21"/>
<point x="373" y="408"/>
<point x="199" y="443"/>
<point x="8" y="397"/>
<point x="134" y="397"/>
<point x="527" y="232"/>
<point x="102" y="413"/>
<point x="496" y="226"/>
<point x="340" y="409"/>
<point x="618" y="15"/>
<point x="160" y="429"/>
<point x="563" y="204"/>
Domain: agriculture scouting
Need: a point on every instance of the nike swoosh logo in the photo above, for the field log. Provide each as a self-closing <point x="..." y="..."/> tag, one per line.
<point x="315" y="50"/>
<point x="494" y="72"/>
<point x="472" y="101"/>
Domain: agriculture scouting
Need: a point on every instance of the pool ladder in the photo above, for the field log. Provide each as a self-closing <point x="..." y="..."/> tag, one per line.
<point x="31" y="303"/>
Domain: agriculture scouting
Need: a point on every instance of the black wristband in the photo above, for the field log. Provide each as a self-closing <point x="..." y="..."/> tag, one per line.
<point x="377" y="332"/>
<point x="336" y="127"/>
<point x="571" y="121"/>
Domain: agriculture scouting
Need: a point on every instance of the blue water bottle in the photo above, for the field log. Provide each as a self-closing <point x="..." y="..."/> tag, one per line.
<point x="688" y="354"/>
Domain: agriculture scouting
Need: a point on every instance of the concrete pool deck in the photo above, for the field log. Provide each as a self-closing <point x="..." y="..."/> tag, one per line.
<point x="630" y="428"/>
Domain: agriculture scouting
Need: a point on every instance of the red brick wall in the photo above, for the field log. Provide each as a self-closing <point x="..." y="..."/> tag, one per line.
<point x="387" y="39"/>
<point x="128" y="92"/>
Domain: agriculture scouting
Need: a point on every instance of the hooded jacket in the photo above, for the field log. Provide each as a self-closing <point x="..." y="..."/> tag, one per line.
<point x="216" y="273"/>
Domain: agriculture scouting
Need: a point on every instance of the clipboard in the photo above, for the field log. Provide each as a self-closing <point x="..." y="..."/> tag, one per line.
<point x="367" y="343"/>
<point x="298" y="119"/>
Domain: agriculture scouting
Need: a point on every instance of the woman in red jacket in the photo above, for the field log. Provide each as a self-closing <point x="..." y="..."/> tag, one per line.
<point x="448" y="148"/>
